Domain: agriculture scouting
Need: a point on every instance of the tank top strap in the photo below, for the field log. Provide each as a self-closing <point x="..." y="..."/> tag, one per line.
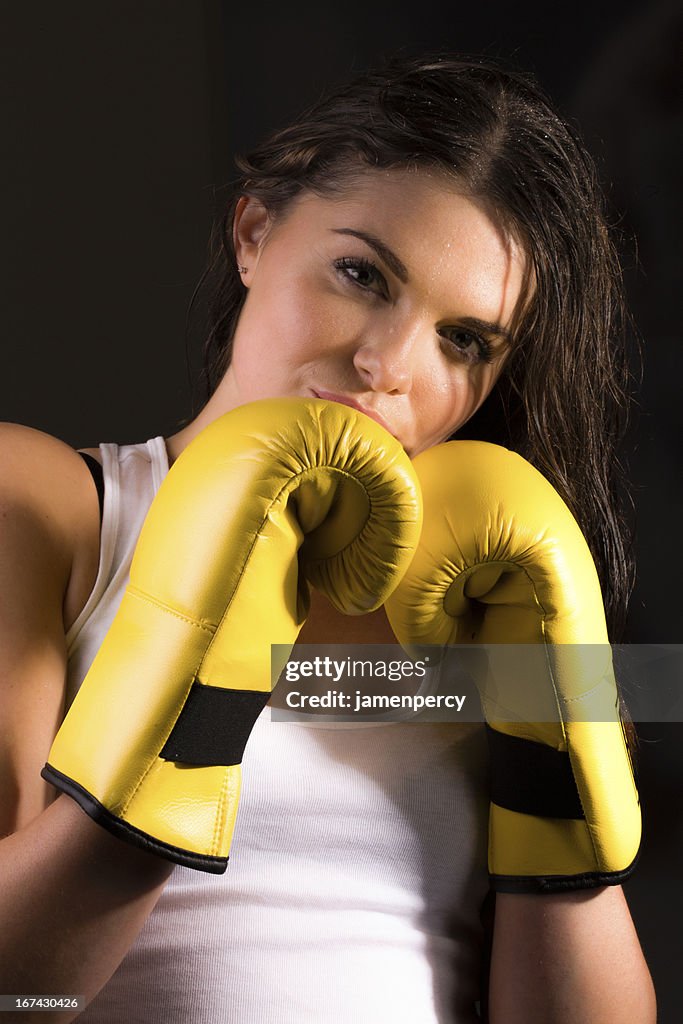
<point x="132" y="476"/>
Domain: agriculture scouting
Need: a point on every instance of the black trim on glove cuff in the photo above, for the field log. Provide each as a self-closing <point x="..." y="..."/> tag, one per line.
<point x="122" y="830"/>
<point x="562" y="883"/>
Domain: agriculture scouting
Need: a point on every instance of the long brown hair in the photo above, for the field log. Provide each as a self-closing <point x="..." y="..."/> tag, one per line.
<point x="563" y="398"/>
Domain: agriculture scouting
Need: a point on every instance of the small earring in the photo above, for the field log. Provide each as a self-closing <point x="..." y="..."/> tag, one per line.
<point x="242" y="270"/>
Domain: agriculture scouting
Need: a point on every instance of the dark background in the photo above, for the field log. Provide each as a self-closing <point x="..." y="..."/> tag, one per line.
<point x="121" y="122"/>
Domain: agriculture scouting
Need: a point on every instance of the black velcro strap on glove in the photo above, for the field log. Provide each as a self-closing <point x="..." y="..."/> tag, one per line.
<point x="532" y="778"/>
<point x="214" y="725"/>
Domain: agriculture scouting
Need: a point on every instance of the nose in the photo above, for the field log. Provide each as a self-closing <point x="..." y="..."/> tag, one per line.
<point x="387" y="362"/>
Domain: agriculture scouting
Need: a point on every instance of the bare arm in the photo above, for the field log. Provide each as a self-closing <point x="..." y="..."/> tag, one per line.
<point x="72" y="898"/>
<point x="571" y="958"/>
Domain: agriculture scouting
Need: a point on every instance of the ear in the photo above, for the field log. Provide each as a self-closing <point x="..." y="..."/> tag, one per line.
<point x="250" y="227"/>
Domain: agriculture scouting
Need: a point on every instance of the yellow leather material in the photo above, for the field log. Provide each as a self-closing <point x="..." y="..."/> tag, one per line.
<point x="550" y="846"/>
<point x="267" y="499"/>
<point x="502" y="561"/>
<point x="178" y="801"/>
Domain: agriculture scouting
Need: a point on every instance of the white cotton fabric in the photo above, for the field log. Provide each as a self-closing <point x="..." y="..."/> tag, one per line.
<point x="358" y="865"/>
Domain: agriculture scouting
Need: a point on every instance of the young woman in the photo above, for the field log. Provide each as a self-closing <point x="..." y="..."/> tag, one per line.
<point x="422" y="240"/>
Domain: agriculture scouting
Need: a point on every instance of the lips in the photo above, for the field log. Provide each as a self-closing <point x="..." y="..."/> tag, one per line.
<point x="330" y="396"/>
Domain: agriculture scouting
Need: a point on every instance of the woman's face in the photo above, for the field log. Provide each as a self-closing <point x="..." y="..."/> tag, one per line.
<point x="393" y="298"/>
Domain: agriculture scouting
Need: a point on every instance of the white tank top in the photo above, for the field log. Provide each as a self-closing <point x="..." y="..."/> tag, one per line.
<point x="357" y="869"/>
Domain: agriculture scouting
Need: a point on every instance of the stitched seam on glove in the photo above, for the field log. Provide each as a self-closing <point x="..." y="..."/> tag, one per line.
<point x="142" y="596"/>
<point x="586" y="693"/>
<point x="558" y="702"/>
<point x="219" y="823"/>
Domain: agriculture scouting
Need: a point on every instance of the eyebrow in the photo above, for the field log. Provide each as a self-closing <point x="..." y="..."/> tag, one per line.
<point x="486" y="327"/>
<point x="398" y="267"/>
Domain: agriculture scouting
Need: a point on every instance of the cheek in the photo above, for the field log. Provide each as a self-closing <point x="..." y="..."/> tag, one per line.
<point x="437" y="413"/>
<point x="302" y="318"/>
<point x="451" y="400"/>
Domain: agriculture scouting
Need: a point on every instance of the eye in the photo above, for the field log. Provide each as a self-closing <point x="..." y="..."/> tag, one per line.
<point x="468" y="345"/>
<point x="361" y="272"/>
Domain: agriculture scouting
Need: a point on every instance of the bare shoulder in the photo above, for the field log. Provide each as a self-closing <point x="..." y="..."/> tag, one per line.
<point x="46" y="487"/>
<point x="49" y="538"/>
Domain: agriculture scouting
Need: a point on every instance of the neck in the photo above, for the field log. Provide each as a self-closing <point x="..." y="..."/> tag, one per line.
<point x="221" y="401"/>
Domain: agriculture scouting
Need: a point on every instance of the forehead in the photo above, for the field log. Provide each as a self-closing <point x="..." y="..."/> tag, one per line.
<point x="425" y="207"/>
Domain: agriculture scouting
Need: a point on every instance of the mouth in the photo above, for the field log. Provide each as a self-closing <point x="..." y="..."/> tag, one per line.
<point x="330" y="396"/>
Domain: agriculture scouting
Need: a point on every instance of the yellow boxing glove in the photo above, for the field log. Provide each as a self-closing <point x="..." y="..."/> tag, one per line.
<point x="502" y="561"/>
<point x="270" y="497"/>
